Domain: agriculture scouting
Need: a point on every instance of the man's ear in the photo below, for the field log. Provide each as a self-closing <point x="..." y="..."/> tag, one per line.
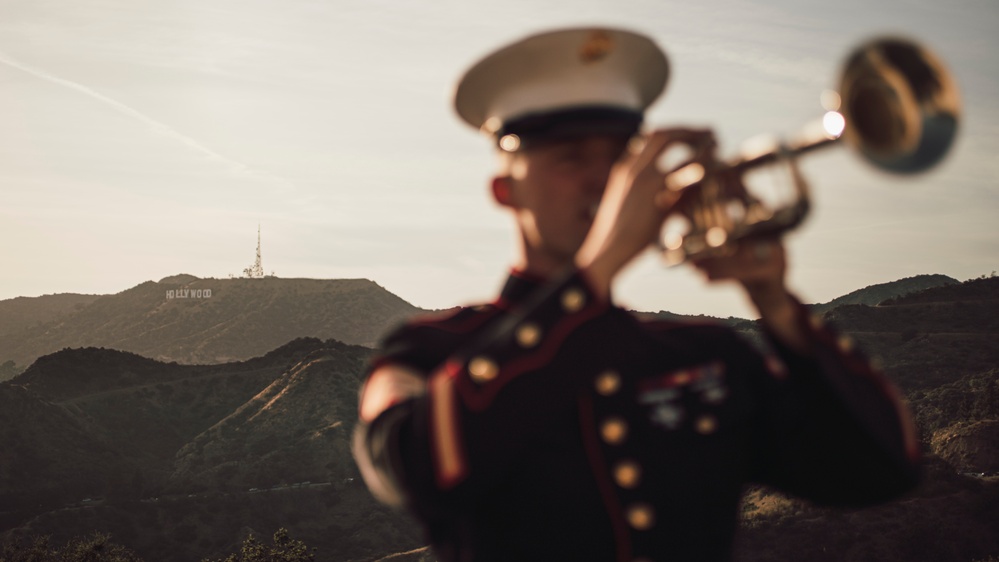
<point x="502" y="190"/>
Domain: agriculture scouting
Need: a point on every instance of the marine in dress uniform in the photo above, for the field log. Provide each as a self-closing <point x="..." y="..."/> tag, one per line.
<point x="551" y="424"/>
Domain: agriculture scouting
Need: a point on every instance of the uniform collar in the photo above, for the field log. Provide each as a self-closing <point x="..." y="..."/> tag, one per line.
<point x="518" y="286"/>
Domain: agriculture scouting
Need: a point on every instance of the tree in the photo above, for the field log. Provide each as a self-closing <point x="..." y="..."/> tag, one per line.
<point x="284" y="549"/>
<point x="96" y="548"/>
<point x="93" y="548"/>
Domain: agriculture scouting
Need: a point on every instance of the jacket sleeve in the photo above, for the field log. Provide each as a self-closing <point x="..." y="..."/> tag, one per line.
<point x="832" y="428"/>
<point x="485" y="405"/>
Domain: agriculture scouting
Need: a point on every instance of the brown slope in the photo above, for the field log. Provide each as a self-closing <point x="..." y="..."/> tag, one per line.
<point x="925" y="339"/>
<point x="942" y="346"/>
<point x="931" y="338"/>
<point x="242" y="318"/>
<point x="982" y="288"/>
<point x="75" y="373"/>
<point x="876" y="294"/>
<point x="971" y="398"/>
<point x="949" y="518"/>
<point x="50" y="456"/>
<point x="296" y="429"/>
<point x="289" y="447"/>
<point x="128" y="433"/>
<point x="970" y="447"/>
<point x="123" y="406"/>
<point x="24" y="312"/>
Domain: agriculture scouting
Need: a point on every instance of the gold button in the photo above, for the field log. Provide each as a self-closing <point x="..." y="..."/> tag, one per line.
<point x="776" y="367"/>
<point x="492" y="125"/>
<point x="845" y="343"/>
<point x="641" y="516"/>
<point x="614" y="430"/>
<point x="528" y="335"/>
<point x="510" y="143"/>
<point x="627" y="474"/>
<point x="573" y="300"/>
<point x="706" y="424"/>
<point x="482" y="369"/>
<point x="608" y="382"/>
<point x="816" y="321"/>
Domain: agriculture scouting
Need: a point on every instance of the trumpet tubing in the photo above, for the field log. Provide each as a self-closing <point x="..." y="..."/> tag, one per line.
<point x="898" y="107"/>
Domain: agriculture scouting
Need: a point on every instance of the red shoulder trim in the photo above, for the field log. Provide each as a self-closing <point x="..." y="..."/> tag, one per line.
<point x="446" y="440"/>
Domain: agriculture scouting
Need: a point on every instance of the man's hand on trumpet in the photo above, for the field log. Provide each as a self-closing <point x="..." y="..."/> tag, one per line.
<point x="638" y="198"/>
<point x="760" y="266"/>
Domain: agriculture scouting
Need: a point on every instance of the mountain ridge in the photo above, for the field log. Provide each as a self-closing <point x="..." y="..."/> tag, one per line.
<point x="194" y="320"/>
<point x="118" y="451"/>
<point x="880" y="292"/>
<point x="178" y="461"/>
<point x="201" y="321"/>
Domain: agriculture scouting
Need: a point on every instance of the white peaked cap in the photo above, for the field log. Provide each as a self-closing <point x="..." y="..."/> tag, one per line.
<point x="562" y="70"/>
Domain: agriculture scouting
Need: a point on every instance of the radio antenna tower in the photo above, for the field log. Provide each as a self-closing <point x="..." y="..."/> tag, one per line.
<point x="256" y="271"/>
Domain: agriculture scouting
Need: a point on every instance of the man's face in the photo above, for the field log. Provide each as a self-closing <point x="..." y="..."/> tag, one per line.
<point x="555" y="189"/>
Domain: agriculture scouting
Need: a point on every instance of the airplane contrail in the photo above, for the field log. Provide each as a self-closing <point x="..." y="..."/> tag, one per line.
<point x="156" y="126"/>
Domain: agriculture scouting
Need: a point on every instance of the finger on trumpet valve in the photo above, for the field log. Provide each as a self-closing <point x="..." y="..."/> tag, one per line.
<point x="636" y="144"/>
<point x="685" y="177"/>
<point x="674" y="156"/>
<point x="666" y="199"/>
<point x="716" y="237"/>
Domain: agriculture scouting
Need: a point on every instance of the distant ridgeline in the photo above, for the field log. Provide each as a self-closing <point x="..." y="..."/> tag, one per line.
<point x="190" y="320"/>
<point x="182" y="462"/>
<point x="876" y="294"/>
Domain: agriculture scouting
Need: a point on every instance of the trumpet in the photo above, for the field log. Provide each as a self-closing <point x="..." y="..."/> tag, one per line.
<point x="897" y="106"/>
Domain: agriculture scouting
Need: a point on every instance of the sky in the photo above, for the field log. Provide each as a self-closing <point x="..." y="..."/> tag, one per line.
<point x="141" y="139"/>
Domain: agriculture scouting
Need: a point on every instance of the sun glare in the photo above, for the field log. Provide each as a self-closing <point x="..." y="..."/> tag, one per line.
<point x="834" y="123"/>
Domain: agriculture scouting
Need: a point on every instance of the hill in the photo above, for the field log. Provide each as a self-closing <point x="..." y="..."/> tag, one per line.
<point x="202" y="321"/>
<point x="120" y="409"/>
<point x="24" y="312"/>
<point x="951" y="517"/>
<point x="941" y="346"/>
<point x="304" y="418"/>
<point x="876" y="294"/>
<point x="932" y="338"/>
<point x="181" y="462"/>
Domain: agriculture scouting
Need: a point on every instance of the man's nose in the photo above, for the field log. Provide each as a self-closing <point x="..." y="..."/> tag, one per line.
<point x="597" y="174"/>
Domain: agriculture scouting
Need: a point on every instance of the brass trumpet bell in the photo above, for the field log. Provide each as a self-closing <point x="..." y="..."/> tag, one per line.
<point x="900" y="104"/>
<point x="898" y="107"/>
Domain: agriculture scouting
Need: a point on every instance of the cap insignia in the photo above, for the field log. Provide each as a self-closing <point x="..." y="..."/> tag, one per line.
<point x="597" y="46"/>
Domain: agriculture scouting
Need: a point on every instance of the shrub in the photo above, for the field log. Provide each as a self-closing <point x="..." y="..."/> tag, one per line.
<point x="284" y="549"/>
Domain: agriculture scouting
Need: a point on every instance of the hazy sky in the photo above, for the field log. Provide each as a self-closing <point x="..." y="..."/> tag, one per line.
<point x="143" y="138"/>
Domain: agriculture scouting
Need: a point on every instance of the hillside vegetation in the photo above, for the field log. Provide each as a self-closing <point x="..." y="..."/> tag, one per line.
<point x="941" y="346"/>
<point x="184" y="462"/>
